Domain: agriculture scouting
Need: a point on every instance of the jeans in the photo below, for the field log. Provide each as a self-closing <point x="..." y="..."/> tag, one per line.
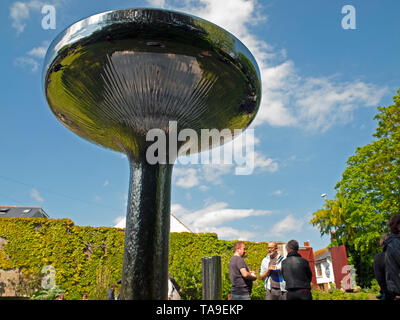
<point x="240" y="296"/>
<point x="275" y="294"/>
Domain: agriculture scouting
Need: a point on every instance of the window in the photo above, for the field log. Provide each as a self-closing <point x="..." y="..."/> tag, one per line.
<point x="4" y="210"/>
<point x="319" y="270"/>
<point x="327" y="271"/>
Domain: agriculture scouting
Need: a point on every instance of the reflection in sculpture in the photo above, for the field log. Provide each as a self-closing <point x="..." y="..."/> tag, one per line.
<point x="112" y="77"/>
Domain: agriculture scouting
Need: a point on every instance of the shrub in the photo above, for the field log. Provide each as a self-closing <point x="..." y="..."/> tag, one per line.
<point x="337" y="294"/>
<point x="75" y="252"/>
<point x="88" y="260"/>
<point x="47" y="294"/>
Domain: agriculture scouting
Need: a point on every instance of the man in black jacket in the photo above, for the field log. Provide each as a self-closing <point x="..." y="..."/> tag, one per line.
<point x="391" y="246"/>
<point x="380" y="271"/>
<point x="297" y="274"/>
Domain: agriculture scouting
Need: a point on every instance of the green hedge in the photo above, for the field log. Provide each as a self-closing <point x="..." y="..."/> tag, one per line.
<point x="337" y="294"/>
<point x="88" y="259"/>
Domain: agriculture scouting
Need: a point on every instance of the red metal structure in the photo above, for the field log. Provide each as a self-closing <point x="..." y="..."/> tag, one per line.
<point x="340" y="264"/>
<point x="308" y="254"/>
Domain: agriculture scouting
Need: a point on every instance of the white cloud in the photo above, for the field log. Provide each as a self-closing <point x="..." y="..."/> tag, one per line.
<point x="268" y="164"/>
<point x="312" y="103"/>
<point x="185" y="177"/>
<point x="27" y="62"/>
<point x="204" y="188"/>
<point x="288" y="225"/>
<point x="39" y="52"/>
<point x="243" y="155"/>
<point x="231" y="233"/>
<point x="190" y="176"/>
<point x="30" y="60"/>
<point x="278" y="192"/>
<point x="319" y="103"/>
<point x="211" y="217"/>
<point x="157" y="3"/>
<point x="289" y="99"/>
<point x="36" y="196"/>
<point x="20" y="12"/>
<point x="212" y="172"/>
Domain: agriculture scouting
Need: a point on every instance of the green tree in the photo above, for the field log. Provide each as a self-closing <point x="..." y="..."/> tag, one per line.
<point x="367" y="195"/>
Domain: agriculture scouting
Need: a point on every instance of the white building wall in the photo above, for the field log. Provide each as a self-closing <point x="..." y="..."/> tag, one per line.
<point x="175" y="225"/>
<point x="326" y="276"/>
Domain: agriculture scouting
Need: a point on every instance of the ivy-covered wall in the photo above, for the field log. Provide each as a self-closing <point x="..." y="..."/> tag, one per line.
<point x="88" y="259"/>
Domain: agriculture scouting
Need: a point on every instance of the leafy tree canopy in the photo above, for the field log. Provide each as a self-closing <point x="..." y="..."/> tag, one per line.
<point x="367" y="195"/>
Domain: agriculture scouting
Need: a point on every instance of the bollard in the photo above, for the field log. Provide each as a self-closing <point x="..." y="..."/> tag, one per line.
<point x="212" y="278"/>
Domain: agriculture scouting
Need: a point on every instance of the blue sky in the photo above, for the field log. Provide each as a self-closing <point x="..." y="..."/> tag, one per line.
<point x="321" y="87"/>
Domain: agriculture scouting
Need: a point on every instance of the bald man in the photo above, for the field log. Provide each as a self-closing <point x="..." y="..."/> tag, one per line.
<point x="270" y="273"/>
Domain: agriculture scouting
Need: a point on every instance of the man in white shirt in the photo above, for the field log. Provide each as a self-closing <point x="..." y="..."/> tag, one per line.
<point x="270" y="272"/>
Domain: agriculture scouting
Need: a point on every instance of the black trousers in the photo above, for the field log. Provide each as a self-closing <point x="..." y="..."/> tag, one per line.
<point x="299" y="294"/>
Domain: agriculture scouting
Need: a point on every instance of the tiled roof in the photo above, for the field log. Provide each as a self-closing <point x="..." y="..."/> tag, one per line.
<point x="22" y="212"/>
<point x="321" y="254"/>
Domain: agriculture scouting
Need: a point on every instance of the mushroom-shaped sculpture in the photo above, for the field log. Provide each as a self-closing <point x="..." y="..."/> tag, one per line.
<point x="114" y="76"/>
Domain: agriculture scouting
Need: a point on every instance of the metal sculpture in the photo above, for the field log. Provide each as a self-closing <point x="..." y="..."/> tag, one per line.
<point x="112" y="77"/>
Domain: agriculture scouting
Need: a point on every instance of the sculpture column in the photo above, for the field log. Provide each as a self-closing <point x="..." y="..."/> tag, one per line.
<point x="145" y="266"/>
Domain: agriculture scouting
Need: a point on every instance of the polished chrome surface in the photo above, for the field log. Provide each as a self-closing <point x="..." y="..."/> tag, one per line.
<point x="112" y="77"/>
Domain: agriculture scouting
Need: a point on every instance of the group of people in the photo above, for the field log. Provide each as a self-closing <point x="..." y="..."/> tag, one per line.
<point x="290" y="278"/>
<point x="387" y="263"/>
<point x="284" y="278"/>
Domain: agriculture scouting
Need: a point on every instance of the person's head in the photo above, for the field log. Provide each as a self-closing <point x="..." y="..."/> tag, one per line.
<point x="239" y="248"/>
<point x="383" y="238"/>
<point x="112" y="286"/>
<point x="394" y="224"/>
<point x="292" y="245"/>
<point x="272" y="249"/>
